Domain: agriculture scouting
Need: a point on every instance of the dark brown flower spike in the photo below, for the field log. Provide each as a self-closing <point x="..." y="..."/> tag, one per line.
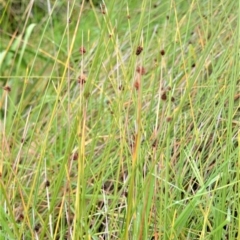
<point x="164" y="96"/>
<point x="37" y="228"/>
<point x="121" y="87"/>
<point x="154" y="144"/>
<point x="141" y="70"/>
<point x="162" y="52"/>
<point x="169" y="119"/>
<point x="47" y="183"/>
<point x="137" y="84"/>
<point x="103" y="8"/>
<point x="7" y="88"/>
<point x="139" y="50"/>
<point x="20" y="218"/>
<point x="82" y="79"/>
<point x="74" y="156"/>
<point x="82" y="50"/>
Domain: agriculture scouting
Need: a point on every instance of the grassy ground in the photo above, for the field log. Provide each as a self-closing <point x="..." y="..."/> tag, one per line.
<point x="119" y="121"/>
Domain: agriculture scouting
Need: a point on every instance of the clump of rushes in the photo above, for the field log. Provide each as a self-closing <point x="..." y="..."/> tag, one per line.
<point x="123" y="108"/>
<point x="139" y="50"/>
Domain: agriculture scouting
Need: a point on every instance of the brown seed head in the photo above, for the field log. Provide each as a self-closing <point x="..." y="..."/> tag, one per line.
<point x="137" y="84"/>
<point x="7" y="88"/>
<point x="162" y="52"/>
<point x="164" y="96"/>
<point x="141" y="70"/>
<point x="121" y="87"/>
<point x="74" y="156"/>
<point x="37" y="228"/>
<point x="139" y="50"/>
<point x="154" y="144"/>
<point x="82" y="79"/>
<point x="20" y="217"/>
<point x="82" y="50"/>
<point x="169" y="119"/>
<point x="47" y="183"/>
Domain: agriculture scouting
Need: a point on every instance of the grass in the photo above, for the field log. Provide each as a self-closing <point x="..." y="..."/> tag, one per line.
<point x="119" y="121"/>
